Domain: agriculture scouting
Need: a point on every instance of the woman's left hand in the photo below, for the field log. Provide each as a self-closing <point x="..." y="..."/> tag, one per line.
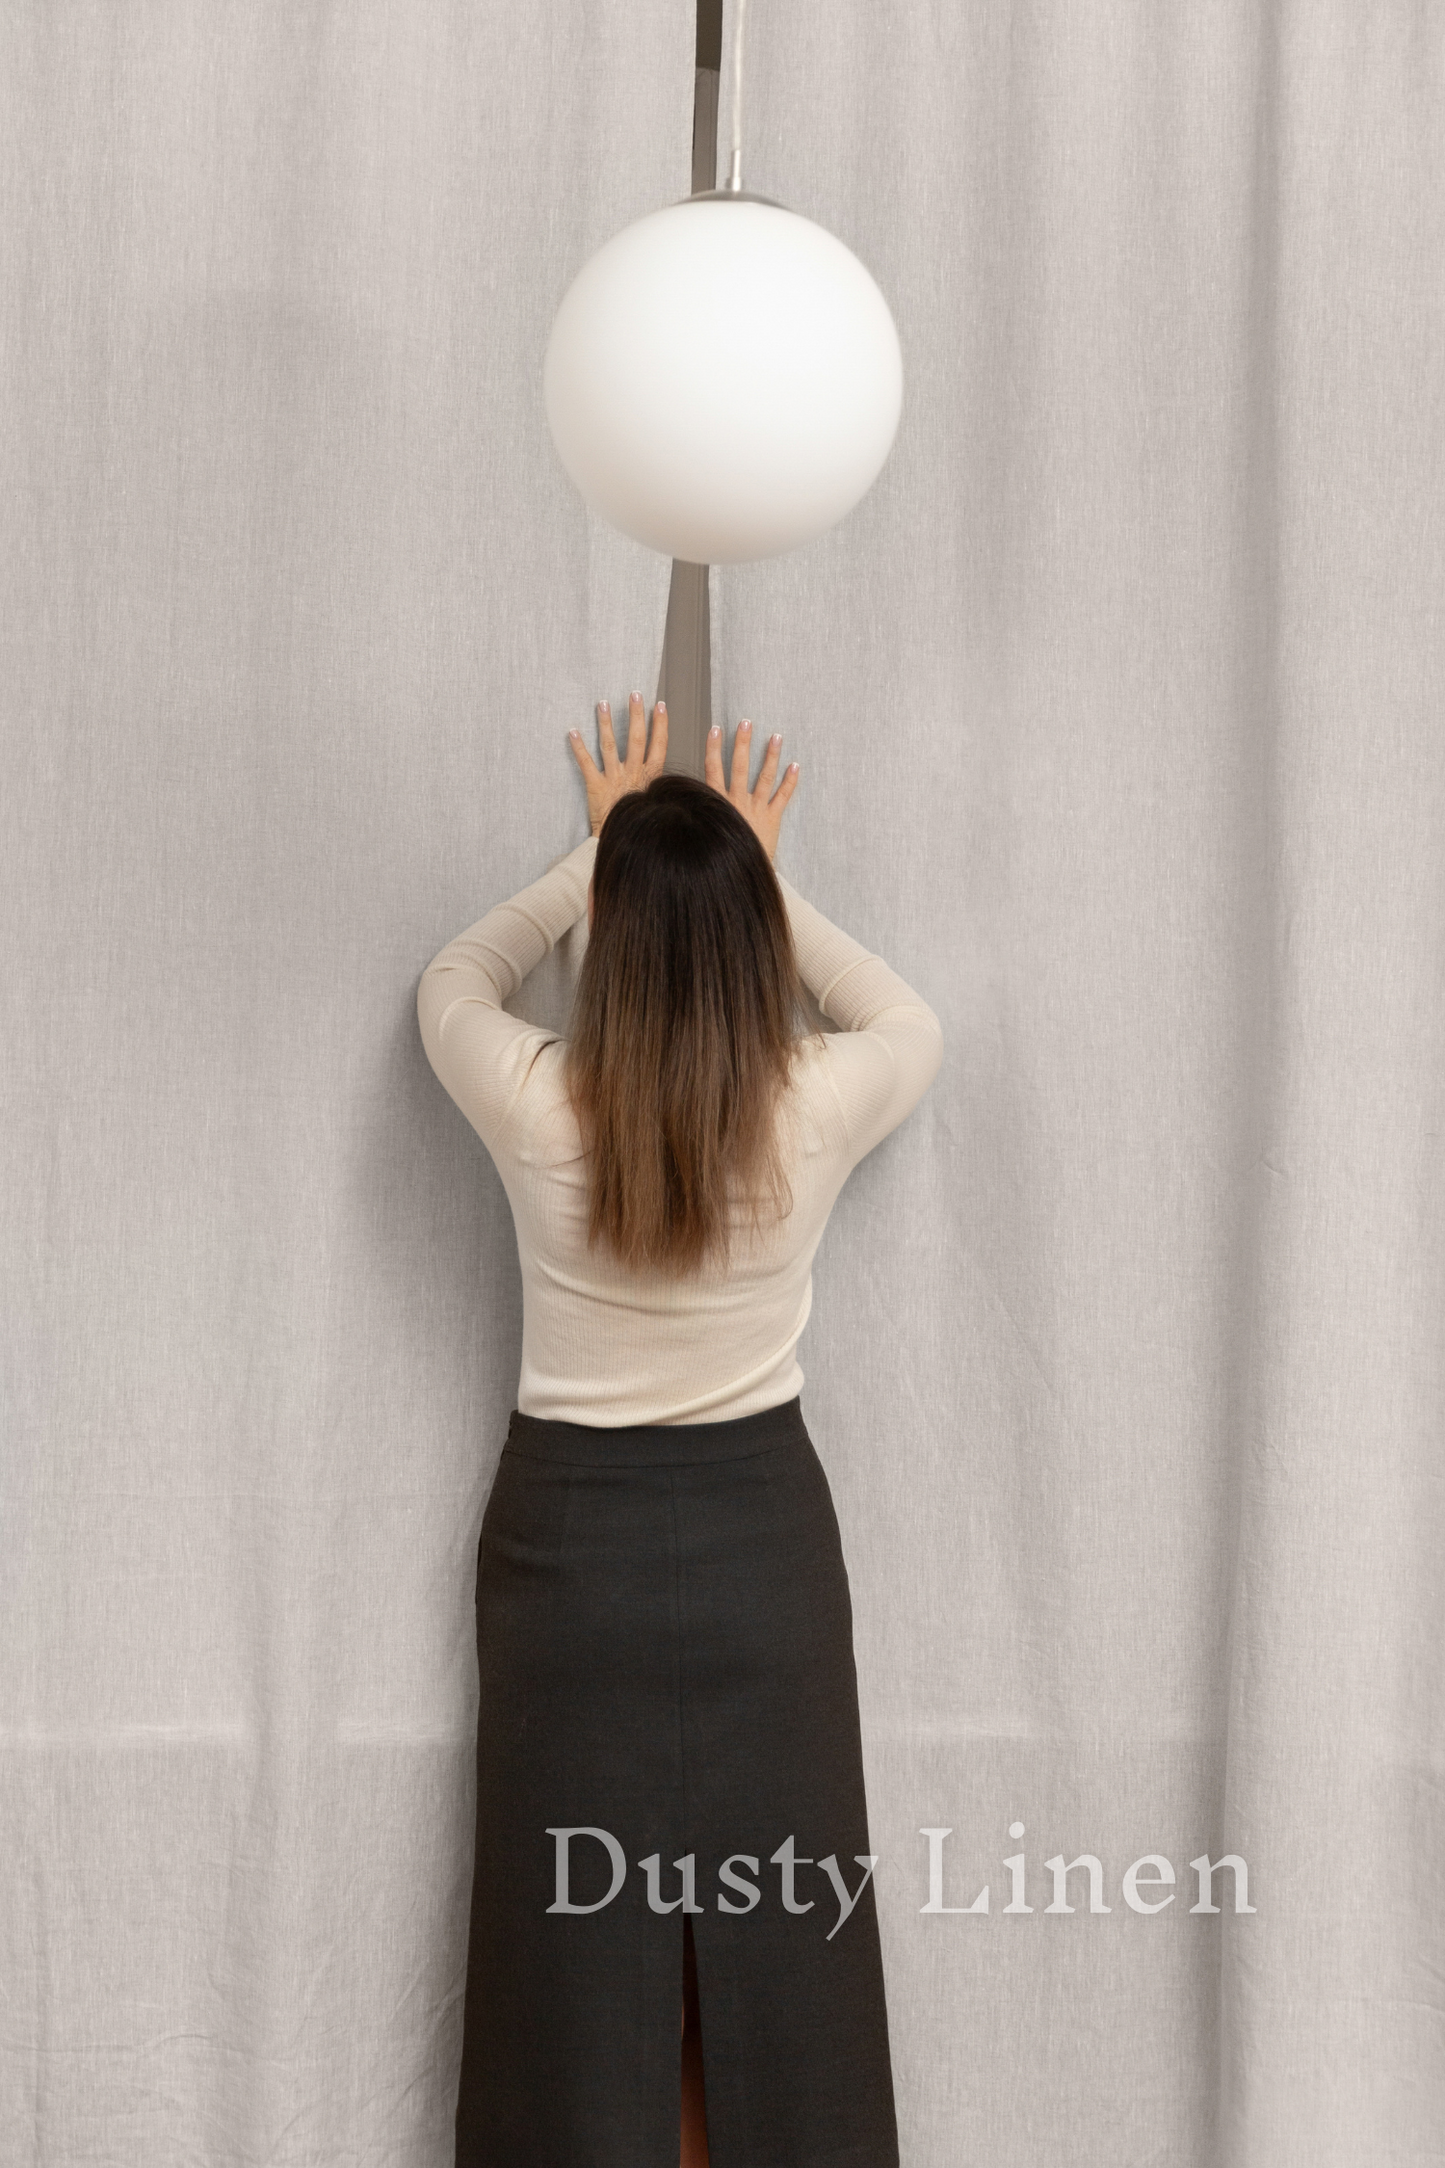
<point x="645" y="757"/>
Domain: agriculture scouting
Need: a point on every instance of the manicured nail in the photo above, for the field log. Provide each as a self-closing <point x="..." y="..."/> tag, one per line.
<point x="636" y="696"/>
<point x="574" y="733"/>
<point x="792" y="767"/>
<point x="716" y="731"/>
<point x="776" y="738"/>
<point x="661" y="708"/>
<point x="603" y="708"/>
<point x="745" y="724"/>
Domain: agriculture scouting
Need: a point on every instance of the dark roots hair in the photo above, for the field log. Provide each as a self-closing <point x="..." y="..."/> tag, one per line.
<point x="682" y="1028"/>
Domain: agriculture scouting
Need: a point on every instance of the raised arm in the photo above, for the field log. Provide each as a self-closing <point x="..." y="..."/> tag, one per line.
<point x="894" y="1042"/>
<point x="480" y="1053"/>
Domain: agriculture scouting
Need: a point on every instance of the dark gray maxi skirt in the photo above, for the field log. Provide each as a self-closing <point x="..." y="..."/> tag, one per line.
<point x="665" y="1648"/>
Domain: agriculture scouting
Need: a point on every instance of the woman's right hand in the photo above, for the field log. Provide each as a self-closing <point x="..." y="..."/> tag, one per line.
<point x="762" y="807"/>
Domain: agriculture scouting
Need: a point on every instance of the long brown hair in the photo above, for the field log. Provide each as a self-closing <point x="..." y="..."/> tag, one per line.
<point x="682" y="1026"/>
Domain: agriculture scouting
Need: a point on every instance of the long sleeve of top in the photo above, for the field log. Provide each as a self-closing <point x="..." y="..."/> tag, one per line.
<point x="483" y="1055"/>
<point x="605" y="1346"/>
<point x="890" y="1046"/>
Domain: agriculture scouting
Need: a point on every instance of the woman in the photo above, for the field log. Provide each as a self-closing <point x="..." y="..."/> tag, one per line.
<point x="670" y="1801"/>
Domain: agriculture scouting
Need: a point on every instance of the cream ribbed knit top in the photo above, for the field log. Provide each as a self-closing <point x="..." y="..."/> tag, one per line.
<point x="600" y="1344"/>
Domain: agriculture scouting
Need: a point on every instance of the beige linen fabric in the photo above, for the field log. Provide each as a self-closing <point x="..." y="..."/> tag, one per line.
<point x="1118" y="703"/>
<point x="296" y="610"/>
<point x="1142" y="624"/>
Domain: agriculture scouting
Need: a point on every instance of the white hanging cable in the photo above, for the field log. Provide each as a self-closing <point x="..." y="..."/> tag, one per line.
<point x="735" y="170"/>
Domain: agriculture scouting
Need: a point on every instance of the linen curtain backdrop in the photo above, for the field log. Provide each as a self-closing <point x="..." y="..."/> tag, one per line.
<point x="1119" y="707"/>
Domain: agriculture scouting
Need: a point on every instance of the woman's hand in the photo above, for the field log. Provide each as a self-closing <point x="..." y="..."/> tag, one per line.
<point x="763" y="807"/>
<point x="617" y="777"/>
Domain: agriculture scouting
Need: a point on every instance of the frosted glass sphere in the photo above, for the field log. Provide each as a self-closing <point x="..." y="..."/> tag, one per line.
<point x="723" y="380"/>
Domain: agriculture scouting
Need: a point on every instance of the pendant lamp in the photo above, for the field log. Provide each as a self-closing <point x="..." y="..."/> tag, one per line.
<point x="723" y="380"/>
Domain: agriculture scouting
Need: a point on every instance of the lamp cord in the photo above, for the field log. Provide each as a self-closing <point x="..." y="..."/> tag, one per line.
<point x="735" y="170"/>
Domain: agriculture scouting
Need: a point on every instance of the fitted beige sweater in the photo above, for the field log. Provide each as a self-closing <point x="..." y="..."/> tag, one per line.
<point x="603" y="1345"/>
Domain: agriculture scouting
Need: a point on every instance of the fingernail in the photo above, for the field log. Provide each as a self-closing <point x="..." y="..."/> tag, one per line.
<point x="776" y="738"/>
<point x="792" y="767"/>
<point x="574" y="733"/>
<point x="745" y="724"/>
<point x="716" y="731"/>
<point x="603" y="708"/>
<point x="636" y="696"/>
<point x="662" y="707"/>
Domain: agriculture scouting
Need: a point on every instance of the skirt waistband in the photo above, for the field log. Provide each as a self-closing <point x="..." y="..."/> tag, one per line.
<point x="657" y="1445"/>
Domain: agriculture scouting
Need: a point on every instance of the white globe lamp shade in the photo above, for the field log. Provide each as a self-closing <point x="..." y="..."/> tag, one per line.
<point x="723" y="380"/>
